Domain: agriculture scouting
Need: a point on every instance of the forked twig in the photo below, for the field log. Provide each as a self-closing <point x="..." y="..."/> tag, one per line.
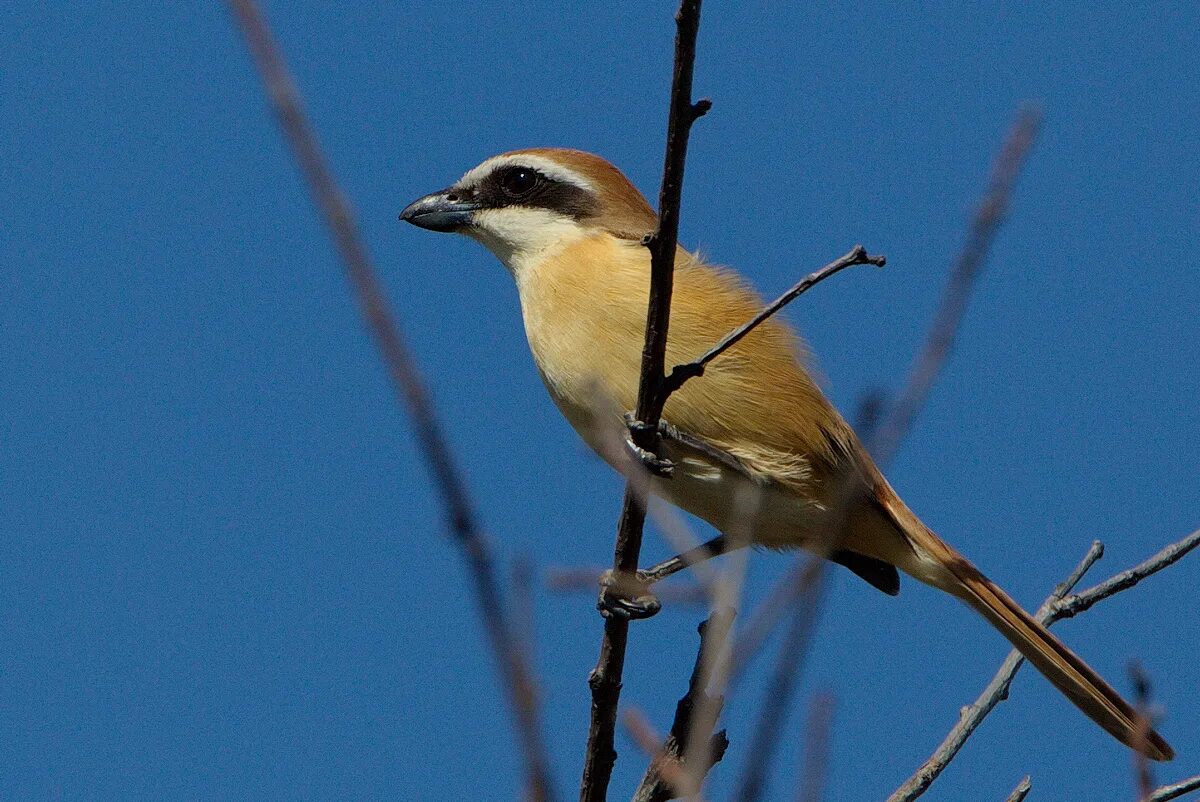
<point x="285" y="99"/>
<point x="1058" y="606"/>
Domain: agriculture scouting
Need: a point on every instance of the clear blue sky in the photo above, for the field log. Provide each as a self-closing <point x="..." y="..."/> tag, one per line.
<point x="222" y="570"/>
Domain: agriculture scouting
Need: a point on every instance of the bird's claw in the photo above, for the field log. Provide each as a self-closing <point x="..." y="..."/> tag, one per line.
<point x="626" y="596"/>
<point x="658" y="466"/>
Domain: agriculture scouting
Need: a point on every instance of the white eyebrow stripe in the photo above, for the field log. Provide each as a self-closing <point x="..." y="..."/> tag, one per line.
<point x="547" y="167"/>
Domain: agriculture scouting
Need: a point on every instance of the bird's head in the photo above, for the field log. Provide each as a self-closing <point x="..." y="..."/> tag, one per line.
<point x="521" y="204"/>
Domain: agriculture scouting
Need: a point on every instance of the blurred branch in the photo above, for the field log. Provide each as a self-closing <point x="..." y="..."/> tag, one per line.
<point x="1141" y="763"/>
<point x="1058" y="606"/>
<point x="605" y="678"/>
<point x="966" y="269"/>
<point x="816" y="749"/>
<point x="778" y="695"/>
<point x="668" y="776"/>
<point x="1021" y="791"/>
<point x="884" y="426"/>
<point x="286" y="103"/>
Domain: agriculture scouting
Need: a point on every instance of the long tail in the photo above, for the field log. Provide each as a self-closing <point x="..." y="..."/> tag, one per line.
<point x="936" y="563"/>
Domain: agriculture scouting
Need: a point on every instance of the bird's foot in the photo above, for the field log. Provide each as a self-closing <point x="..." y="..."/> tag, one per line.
<point x="626" y="596"/>
<point x="656" y="465"/>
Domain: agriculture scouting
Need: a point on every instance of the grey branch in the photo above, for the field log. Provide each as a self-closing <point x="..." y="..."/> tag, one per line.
<point x="1168" y="792"/>
<point x="1021" y="791"/>
<point x="1057" y="607"/>
<point x="517" y="676"/>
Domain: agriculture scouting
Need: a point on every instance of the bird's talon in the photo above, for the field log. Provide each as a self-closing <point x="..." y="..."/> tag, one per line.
<point x="659" y="466"/>
<point x="626" y="597"/>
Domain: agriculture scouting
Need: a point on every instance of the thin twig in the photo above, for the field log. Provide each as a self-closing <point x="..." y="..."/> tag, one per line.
<point x="1168" y="792"/>
<point x="1075" y="604"/>
<point x="605" y="678"/>
<point x="656" y="785"/>
<point x="966" y="269"/>
<point x="995" y="692"/>
<point x="1021" y="791"/>
<point x="681" y="373"/>
<point x="1057" y="607"/>
<point x="285" y="99"/>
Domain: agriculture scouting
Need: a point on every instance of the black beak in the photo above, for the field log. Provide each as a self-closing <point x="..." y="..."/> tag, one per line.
<point x="446" y="210"/>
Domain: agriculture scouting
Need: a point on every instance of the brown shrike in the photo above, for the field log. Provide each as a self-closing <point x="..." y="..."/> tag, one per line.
<point x="569" y="227"/>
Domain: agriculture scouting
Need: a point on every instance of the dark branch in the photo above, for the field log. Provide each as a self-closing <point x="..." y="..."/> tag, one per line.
<point x="681" y="373"/>
<point x="605" y="678"/>
<point x="660" y="783"/>
<point x="285" y="99"/>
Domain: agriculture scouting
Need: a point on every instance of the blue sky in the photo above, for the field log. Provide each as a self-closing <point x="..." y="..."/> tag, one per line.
<point x="222" y="571"/>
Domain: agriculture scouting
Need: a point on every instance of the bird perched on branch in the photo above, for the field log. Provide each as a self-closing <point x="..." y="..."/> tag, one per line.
<point x="570" y="228"/>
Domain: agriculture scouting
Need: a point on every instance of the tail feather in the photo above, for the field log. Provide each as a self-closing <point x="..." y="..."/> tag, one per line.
<point x="1065" y="670"/>
<point x="1078" y="681"/>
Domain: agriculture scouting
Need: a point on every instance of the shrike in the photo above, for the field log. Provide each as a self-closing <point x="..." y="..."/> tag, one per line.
<point x="569" y="227"/>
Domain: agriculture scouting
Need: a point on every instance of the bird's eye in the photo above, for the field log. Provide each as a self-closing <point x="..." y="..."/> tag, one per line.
<point x="519" y="181"/>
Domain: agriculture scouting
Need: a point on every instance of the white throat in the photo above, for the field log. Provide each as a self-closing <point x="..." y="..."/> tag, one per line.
<point x="520" y="237"/>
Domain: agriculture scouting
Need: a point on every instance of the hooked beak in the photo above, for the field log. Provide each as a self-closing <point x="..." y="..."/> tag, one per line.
<point x="446" y="210"/>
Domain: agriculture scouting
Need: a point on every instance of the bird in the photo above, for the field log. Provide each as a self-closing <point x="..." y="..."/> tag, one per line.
<point x="571" y="229"/>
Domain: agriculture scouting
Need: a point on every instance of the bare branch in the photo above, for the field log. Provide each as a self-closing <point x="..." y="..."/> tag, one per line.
<point x="1058" y="606"/>
<point x="1073" y="605"/>
<point x="285" y="99"/>
<point x="1021" y="791"/>
<point x="657" y="785"/>
<point x="605" y="678"/>
<point x="967" y="267"/>
<point x="681" y="373"/>
<point x="1168" y="792"/>
<point x="650" y="741"/>
<point x="995" y="692"/>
